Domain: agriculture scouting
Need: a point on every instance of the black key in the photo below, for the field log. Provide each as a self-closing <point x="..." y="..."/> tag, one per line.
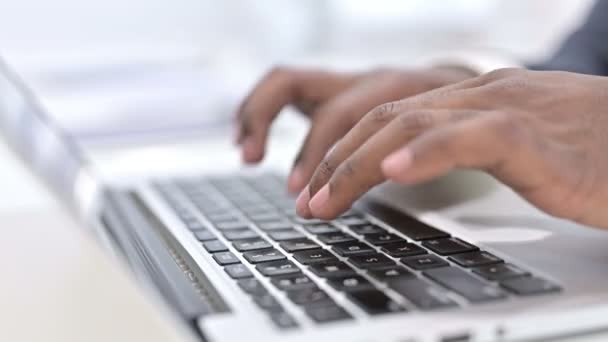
<point x="214" y="246"/>
<point x="352" y="248"/>
<point x="225" y="258"/>
<point x="299" y="245"/>
<point x="314" y="256"/>
<point x="423" y="262"/>
<point x="293" y="282"/>
<point x="374" y="302"/>
<point x="278" y="268"/>
<point x="529" y="286"/>
<point x="204" y="235"/>
<point x="449" y="246"/>
<point x="367" y="229"/>
<point x="233" y="225"/>
<point x="390" y="274"/>
<point x="465" y="284"/>
<point x="239" y="234"/>
<point x="332" y="270"/>
<point x="194" y="224"/>
<point x="309" y="297"/>
<point x="371" y="261"/>
<point x="275" y="225"/>
<point x="284" y="235"/>
<point x="324" y="314"/>
<point x="500" y="272"/>
<point x="283" y="320"/>
<point x="474" y="259"/>
<point x="422" y="294"/>
<point x="404" y="224"/>
<point x="268" y="302"/>
<point x="351" y="283"/>
<point x="251" y="245"/>
<point x="334" y="238"/>
<point x="382" y="238"/>
<point x="252" y="286"/>
<point x="402" y="249"/>
<point x="321" y="229"/>
<point x="266" y="255"/>
<point x="238" y="271"/>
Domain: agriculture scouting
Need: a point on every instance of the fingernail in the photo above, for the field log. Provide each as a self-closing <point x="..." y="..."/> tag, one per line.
<point x="302" y="203"/>
<point x="398" y="162"/>
<point x="295" y="180"/>
<point x="319" y="201"/>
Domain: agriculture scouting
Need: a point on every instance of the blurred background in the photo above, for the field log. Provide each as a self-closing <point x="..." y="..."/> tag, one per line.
<point x="135" y="68"/>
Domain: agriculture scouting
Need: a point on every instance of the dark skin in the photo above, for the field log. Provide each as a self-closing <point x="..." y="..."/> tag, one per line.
<point x="334" y="103"/>
<point x="544" y="134"/>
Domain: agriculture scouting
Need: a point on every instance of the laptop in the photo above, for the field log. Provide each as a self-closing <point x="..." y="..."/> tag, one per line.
<point x="460" y="259"/>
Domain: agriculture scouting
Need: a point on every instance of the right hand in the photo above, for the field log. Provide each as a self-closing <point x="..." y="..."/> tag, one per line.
<point x="333" y="101"/>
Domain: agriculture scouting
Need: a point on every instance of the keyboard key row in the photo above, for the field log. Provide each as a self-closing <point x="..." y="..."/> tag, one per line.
<point x="256" y="257"/>
<point x="271" y="211"/>
<point x="314" y="256"/>
<point x="251" y="245"/>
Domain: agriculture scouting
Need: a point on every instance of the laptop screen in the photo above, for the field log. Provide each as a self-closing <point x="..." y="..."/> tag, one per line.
<point x="44" y="146"/>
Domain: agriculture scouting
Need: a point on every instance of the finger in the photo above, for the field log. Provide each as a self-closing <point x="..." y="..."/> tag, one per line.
<point x="361" y="171"/>
<point x="330" y="123"/>
<point x="453" y="97"/>
<point x="276" y="90"/>
<point x="324" y="131"/>
<point x="488" y="143"/>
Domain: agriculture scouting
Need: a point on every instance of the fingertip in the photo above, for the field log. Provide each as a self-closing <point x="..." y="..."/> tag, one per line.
<point x="251" y="152"/>
<point x="318" y="203"/>
<point x="302" y="208"/>
<point x="296" y="181"/>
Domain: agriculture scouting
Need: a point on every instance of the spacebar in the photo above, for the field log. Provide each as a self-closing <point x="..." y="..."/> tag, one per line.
<point x="464" y="284"/>
<point x="403" y="223"/>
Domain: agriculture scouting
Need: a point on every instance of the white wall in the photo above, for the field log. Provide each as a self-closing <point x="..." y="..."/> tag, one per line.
<point x="279" y="29"/>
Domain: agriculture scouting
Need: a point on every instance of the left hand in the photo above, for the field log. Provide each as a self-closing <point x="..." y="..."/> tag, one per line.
<point x="544" y="134"/>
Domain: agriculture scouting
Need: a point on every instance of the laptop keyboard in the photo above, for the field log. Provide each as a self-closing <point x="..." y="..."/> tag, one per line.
<point x="383" y="264"/>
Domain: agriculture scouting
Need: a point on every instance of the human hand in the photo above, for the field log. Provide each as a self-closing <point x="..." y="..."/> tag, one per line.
<point x="333" y="101"/>
<point x="544" y="134"/>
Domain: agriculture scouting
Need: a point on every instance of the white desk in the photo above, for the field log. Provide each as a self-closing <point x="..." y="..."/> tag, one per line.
<point x="57" y="284"/>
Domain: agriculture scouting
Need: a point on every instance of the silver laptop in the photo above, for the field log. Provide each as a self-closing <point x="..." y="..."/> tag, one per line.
<point x="460" y="259"/>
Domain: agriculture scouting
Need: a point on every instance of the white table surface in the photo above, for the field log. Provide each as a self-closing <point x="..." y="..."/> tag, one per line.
<point x="57" y="284"/>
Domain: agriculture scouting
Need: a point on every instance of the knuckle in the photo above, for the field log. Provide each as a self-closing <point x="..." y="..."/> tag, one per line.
<point x="279" y="71"/>
<point x="510" y="85"/>
<point x="326" y="168"/>
<point x="509" y="129"/>
<point x="345" y="171"/>
<point x="417" y="121"/>
<point x="347" y="168"/>
<point x="499" y="74"/>
<point x="386" y="74"/>
<point x="383" y="113"/>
